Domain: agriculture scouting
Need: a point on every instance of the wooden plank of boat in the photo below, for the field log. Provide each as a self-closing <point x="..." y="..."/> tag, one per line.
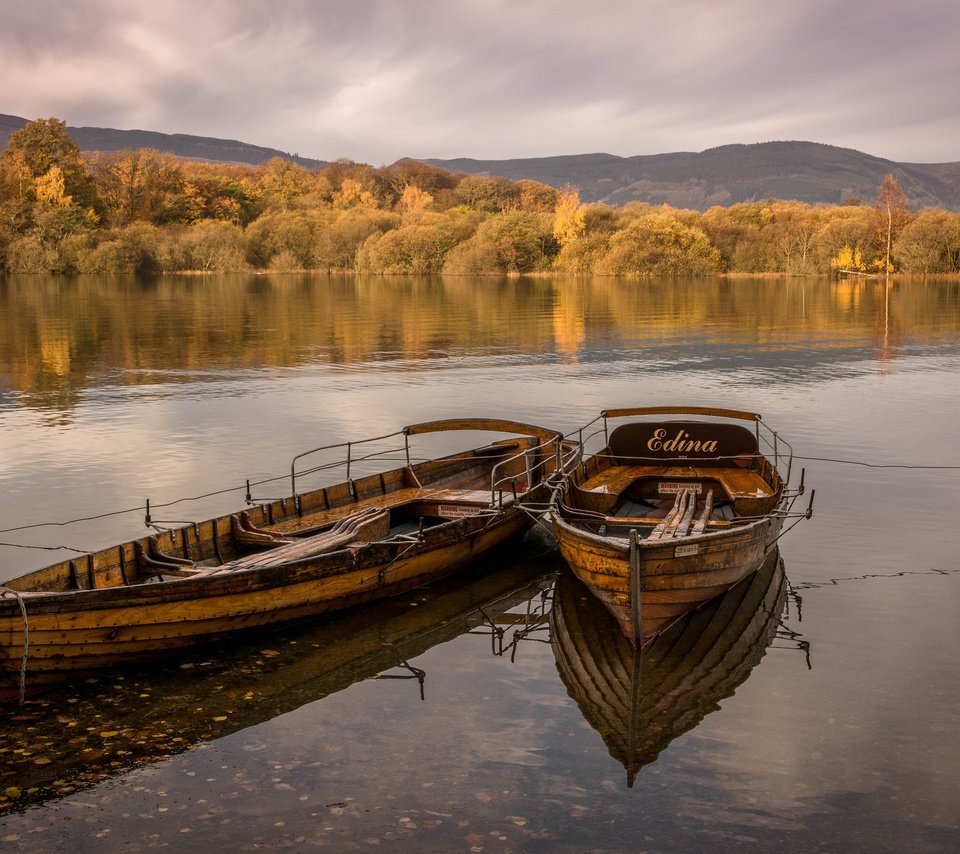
<point x="652" y="521"/>
<point x="319" y="519"/>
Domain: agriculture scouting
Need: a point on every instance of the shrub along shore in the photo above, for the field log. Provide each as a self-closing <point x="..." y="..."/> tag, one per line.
<point x="147" y="212"/>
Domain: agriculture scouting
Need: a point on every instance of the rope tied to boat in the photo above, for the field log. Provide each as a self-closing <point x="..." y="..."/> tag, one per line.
<point x="7" y="593"/>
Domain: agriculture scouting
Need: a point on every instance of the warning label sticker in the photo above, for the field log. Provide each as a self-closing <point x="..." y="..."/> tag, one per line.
<point x="670" y="488"/>
<point x="455" y="511"/>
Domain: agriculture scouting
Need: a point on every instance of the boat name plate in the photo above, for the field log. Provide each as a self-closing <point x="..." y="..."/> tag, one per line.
<point x="687" y="550"/>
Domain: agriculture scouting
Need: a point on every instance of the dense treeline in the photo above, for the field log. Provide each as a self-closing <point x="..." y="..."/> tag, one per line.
<point x="143" y="211"/>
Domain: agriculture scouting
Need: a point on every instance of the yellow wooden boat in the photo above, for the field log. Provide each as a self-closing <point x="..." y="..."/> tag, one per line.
<point x="680" y="504"/>
<point x="328" y="548"/>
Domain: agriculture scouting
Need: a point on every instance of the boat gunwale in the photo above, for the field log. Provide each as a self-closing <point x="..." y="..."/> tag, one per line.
<point x="707" y="536"/>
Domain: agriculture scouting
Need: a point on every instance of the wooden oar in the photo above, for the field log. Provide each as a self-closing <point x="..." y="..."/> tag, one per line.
<point x="245" y="533"/>
<point x="687" y="519"/>
<point x="705" y="516"/>
<point x="670" y="520"/>
<point x="367" y="523"/>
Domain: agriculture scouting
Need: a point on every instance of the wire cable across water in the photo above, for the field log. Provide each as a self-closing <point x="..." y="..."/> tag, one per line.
<point x="245" y="486"/>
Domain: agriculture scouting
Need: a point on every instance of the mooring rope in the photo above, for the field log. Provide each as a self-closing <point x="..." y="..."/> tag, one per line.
<point x="876" y="465"/>
<point x="226" y="490"/>
<point x="6" y="592"/>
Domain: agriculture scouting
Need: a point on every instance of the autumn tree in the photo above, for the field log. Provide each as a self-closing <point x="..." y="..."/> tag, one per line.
<point x="488" y="195"/>
<point x="352" y="195"/>
<point x="791" y="235"/>
<point x="537" y="197"/>
<point x="930" y="243"/>
<point x="414" y="248"/>
<point x="843" y="238"/>
<point x="142" y="185"/>
<point x="50" y="188"/>
<point x="423" y="176"/>
<point x="660" y="244"/>
<point x="413" y="200"/>
<point x="283" y="182"/>
<point x="568" y="217"/>
<point x="44" y="144"/>
<point x="17" y="190"/>
<point x="336" y="244"/>
<point x="892" y="214"/>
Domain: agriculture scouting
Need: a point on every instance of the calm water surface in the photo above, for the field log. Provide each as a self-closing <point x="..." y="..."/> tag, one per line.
<point x="819" y="711"/>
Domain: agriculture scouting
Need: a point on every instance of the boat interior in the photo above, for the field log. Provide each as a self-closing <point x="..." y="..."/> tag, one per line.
<point x="634" y="483"/>
<point x="399" y="505"/>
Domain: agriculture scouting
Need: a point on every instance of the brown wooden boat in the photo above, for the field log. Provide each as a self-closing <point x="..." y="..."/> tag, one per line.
<point x="676" y="508"/>
<point x="640" y="700"/>
<point x="165" y="709"/>
<point x="328" y="548"/>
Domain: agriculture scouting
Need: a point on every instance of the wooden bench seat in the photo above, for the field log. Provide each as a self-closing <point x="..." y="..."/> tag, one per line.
<point x="738" y="482"/>
<point x="321" y="518"/>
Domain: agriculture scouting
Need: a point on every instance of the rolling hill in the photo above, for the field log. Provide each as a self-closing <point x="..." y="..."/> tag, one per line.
<point x="806" y="171"/>
<point x="180" y="144"/>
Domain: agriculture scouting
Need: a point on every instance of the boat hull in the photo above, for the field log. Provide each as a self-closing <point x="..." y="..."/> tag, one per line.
<point x="675" y="576"/>
<point x="640" y="700"/>
<point x="68" y="635"/>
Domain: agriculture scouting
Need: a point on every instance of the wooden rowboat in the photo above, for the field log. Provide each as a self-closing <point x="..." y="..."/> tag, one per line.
<point x="640" y="700"/>
<point x="328" y="548"/>
<point x="671" y="513"/>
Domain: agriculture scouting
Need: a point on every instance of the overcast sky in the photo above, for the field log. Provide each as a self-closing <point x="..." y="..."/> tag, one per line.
<point x="376" y="80"/>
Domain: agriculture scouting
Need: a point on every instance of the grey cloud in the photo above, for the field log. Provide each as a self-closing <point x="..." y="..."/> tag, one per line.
<point x="487" y="78"/>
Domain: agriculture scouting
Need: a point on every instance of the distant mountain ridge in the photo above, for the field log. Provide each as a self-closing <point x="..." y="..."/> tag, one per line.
<point x="806" y="171"/>
<point x="180" y="144"/>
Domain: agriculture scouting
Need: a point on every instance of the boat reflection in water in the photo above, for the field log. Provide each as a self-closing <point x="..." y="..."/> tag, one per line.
<point x="71" y="739"/>
<point x="640" y="700"/>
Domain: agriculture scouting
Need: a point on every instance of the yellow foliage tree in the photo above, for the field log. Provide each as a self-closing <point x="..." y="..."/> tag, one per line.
<point x="848" y="259"/>
<point x="352" y="195"/>
<point x="50" y="188"/>
<point x="284" y="182"/>
<point x="569" y="222"/>
<point x="413" y="200"/>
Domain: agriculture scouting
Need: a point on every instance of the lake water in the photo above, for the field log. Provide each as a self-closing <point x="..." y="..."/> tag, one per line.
<point x="827" y="719"/>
